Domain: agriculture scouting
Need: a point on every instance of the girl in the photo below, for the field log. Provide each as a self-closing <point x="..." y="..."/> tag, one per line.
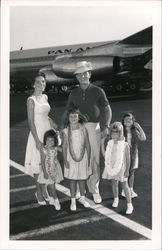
<point x="132" y="132"/>
<point x="76" y="153"/>
<point x="38" y="110"/>
<point x="117" y="163"/>
<point x="51" y="172"/>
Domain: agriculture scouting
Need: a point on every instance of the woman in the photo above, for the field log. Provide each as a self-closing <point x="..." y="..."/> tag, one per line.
<point x="39" y="122"/>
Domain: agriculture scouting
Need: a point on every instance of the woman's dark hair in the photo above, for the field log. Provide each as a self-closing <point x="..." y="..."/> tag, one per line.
<point x="50" y="134"/>
<point x="75" y="110"/>
<point x="38" y="75"/>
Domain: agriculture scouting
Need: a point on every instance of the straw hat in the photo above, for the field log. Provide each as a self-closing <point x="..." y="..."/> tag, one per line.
<point x="82" y="67"/>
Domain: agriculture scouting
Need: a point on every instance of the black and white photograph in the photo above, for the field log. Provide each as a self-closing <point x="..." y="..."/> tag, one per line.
<point x="80" y="86"/>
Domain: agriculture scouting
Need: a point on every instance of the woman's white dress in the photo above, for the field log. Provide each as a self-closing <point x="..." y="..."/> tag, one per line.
<point x="77" y="170"/>
<point x="42" y="124"/>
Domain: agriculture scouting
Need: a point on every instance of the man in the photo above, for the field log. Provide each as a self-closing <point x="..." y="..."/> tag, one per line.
<point x="91" y="101"/>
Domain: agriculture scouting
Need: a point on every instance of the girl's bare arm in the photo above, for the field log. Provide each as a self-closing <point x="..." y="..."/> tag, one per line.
<point x="140" y="133"/>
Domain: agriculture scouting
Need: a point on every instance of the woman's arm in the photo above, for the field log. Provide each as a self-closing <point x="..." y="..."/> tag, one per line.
<point x="30" y="113"/>
<point x="140" y="133"/>
<point x="64" y="150"/>
<point x="88" y="147"/>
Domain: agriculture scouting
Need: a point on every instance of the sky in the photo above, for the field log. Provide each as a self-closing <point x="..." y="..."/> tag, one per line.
<point x="46" y="26"/>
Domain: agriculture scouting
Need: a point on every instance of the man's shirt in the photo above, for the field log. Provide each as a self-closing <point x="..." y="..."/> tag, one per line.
<point x="90" y="102"/>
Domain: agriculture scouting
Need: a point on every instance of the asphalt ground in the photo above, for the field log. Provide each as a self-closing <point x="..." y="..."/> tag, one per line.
<point x="30" y="221"/>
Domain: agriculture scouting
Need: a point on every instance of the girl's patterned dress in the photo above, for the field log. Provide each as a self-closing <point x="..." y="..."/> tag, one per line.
<point x="52" y="166"/>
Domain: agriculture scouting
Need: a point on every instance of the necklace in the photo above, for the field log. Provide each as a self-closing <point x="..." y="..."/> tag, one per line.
<point x="71" y="147"/>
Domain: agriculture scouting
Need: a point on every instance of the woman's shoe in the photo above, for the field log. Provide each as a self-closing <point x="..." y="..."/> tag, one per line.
<point x="42" y="203"/>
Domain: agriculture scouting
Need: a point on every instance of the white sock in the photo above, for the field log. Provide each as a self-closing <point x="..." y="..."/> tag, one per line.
<point x="73" y="200"/>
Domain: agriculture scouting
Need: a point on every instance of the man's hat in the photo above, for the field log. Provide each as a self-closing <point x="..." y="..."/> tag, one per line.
<point x="82" y="67"/>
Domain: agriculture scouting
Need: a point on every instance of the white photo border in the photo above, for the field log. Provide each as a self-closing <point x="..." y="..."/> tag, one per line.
<point x="5" y="243"/>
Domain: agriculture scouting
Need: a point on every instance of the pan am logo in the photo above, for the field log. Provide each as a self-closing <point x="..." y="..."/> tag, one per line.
<point x="66" y="51"/>
<point x="59" y="51"/>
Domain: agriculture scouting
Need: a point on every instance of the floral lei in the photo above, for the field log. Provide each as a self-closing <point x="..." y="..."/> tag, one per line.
<point x="71" y="149"/>
<point x="116" y="167"/>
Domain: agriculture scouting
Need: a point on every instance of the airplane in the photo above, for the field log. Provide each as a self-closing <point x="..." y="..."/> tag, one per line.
<point x="116" y="65"/>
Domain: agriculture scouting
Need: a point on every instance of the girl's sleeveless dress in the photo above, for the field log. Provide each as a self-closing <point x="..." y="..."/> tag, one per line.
<point x="77" y="170"/>
<point x="42" y="124"/>
<point x="117" y="157"/>
<point x="52" y="166"/>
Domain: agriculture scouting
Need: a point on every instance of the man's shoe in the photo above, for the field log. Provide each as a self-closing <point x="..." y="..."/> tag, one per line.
<point x="133" y="194"/>
<point x="115" y="202"/>
<point x="97" y="198"/>
<point x="129" y="208"/>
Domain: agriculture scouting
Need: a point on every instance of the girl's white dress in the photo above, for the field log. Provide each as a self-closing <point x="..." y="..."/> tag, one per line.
<point x="42" y="124"/>
<point x="77" y="170"/>
<point x="117" y="158"/>
<point x="52" y="166"/>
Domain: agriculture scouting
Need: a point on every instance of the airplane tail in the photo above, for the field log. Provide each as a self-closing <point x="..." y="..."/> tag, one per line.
<point x="141" y="37"/>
